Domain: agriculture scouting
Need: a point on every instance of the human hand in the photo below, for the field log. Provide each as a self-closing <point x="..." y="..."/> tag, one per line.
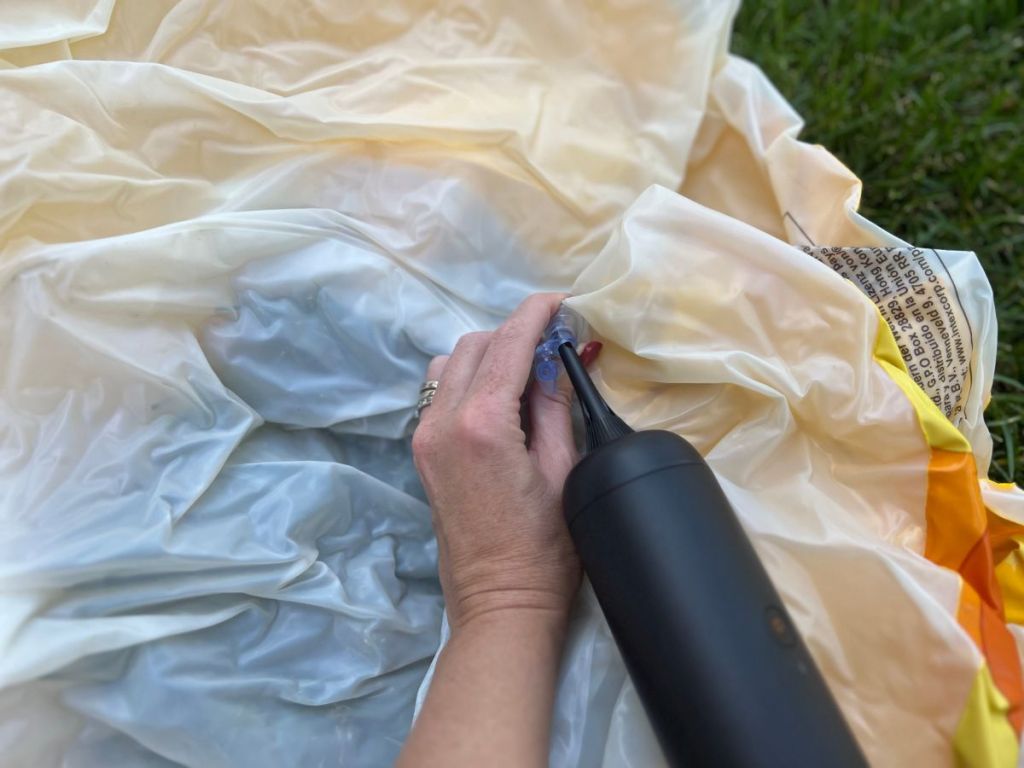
<point x="503" y="546"/>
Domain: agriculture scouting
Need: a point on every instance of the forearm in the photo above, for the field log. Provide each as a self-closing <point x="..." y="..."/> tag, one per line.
<point x="491" y="697"/>
<point x="505" y="558"/>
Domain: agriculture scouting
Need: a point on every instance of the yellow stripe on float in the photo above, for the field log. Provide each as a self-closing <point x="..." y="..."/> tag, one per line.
<point x="984" y="738"/>
<point x="957" y="537"/>
<point x="937" y="429"/>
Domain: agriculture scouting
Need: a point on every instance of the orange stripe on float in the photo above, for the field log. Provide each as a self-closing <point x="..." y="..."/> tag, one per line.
<point x="956" y="517"/>
<point x="1003" y="662"/>
<point x="968" y="614"/>
<point x="957" y="538"/>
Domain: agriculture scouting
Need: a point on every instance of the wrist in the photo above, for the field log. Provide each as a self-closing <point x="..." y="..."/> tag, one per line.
<point x="519" y="618"/>
<point x="515" y="591"/>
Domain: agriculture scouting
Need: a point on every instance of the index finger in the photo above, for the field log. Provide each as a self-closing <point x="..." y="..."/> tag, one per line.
<point x="505" y="367"/>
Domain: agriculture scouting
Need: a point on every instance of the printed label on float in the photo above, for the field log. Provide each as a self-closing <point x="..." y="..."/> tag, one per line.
<point x="916" y="295"/>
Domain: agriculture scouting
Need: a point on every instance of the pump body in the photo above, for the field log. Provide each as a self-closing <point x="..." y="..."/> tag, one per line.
<point x="723" y="674"/>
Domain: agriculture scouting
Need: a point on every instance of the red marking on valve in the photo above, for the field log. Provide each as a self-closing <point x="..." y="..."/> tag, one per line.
<point x="590" y="352"/>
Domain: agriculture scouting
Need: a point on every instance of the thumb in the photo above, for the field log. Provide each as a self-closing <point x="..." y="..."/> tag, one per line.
<point x="551" y="440"/>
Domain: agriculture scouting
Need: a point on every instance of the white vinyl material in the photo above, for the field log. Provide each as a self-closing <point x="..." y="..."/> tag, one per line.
<point x="231" y="237"/>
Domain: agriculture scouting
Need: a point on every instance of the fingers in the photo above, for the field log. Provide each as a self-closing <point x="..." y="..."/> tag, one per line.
<point x="494" y="368"/>
<point x="551" y="440"/>
<point x="435" y="368"/>
<point x="457" y="373"/>
<point x="504" y="369"/>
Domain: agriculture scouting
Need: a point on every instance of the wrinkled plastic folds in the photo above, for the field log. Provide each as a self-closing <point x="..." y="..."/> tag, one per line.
<point x="231" y="237"/>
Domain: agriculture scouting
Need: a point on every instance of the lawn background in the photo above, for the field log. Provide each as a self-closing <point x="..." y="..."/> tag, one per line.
<point x="922" y="100"/>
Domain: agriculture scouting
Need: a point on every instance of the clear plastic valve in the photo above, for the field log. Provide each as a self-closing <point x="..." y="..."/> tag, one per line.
<point x="565" y="326"/>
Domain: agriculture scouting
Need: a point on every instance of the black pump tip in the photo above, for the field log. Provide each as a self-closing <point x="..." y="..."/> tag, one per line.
<point x="603" y="425"/>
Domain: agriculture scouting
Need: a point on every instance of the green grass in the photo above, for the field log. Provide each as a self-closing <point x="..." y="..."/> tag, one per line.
<point x="921" y="99"/>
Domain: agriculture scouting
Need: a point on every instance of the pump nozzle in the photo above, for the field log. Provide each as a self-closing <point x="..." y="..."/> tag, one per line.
<point x="564" y="332"/>
<point x="603" y="425"/>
